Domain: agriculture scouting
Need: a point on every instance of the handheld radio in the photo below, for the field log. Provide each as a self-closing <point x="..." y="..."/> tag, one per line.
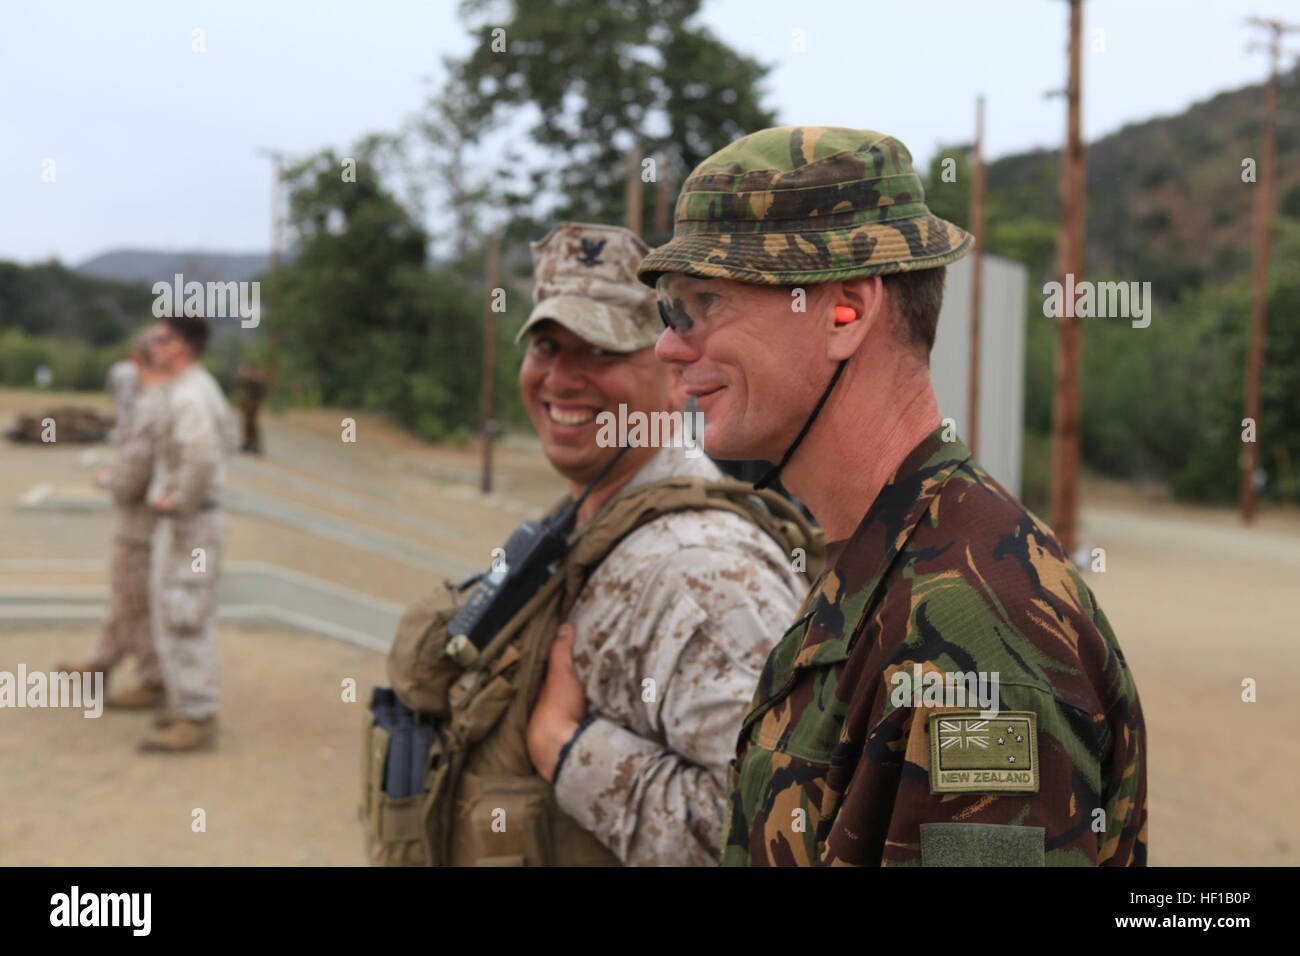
<point x="531" y="555"/>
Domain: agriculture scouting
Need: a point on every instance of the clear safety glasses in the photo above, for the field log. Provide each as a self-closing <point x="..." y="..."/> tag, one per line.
<point x="682" y="315"/>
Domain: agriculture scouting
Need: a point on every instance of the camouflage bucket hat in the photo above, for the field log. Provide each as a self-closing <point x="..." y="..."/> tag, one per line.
<point x="586" y="281"/>
<point x="805" y="204"/>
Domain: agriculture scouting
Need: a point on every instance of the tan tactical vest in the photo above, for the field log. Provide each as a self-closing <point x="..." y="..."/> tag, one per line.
<point x="483" y="804"/>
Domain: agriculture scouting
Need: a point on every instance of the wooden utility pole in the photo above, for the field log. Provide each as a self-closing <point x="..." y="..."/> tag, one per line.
<point x="1065" y="401"/>
<point x="1259" y="276"/>
<point x="632" y="199"/>
<point x="489" y="390"/>
<point x="977" y="273"/>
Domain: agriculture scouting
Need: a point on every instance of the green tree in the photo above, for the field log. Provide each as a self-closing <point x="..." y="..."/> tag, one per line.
<point x="450" y="128"/>
<point x="604" y="75"/>
<point x="948" y="185"/>
<point x="360" y="321"/>
<point x="1208" y="465"/>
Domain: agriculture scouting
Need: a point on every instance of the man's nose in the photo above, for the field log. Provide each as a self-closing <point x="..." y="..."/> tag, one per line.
<point x="672" y="347"/>
<point x="565" y="373"/>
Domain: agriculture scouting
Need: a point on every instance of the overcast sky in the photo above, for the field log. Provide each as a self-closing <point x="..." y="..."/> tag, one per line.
<point x="155" y="145"/>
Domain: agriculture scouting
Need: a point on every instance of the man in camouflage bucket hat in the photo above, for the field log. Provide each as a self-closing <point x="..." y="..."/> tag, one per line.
<point x="689" y="601"/>
<point x="801" y="291"/>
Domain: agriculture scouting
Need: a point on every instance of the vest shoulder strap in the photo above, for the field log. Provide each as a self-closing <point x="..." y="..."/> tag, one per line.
<point x="776" y="516"/>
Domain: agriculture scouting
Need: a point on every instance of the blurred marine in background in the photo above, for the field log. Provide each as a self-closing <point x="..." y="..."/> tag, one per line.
<point x="951" y="694"/>
<point x="128" y="631"/>
<point x="252" y="386"/>
<point x="195" y="436"/>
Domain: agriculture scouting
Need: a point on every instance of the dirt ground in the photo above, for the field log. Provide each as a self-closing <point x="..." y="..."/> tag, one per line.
<point x="1199" y="602"/>
<point x="280" y="789"/>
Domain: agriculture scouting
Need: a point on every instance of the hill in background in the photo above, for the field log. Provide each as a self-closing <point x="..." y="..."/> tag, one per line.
<point x="152" y="265"/>
<point x="1165" y="204"/>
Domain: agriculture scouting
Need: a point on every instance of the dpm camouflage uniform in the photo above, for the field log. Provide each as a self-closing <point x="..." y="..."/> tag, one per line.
<point x="128" y="630"/>
<point x="197" y="436"/>
<point x="948" y="571"/>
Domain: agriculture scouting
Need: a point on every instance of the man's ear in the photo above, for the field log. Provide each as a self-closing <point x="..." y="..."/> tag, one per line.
<point x="854" y="307"/>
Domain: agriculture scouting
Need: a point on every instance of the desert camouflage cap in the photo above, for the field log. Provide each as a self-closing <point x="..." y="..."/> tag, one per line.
<point x="585" y="279"/>
<point x="805" y="204"/>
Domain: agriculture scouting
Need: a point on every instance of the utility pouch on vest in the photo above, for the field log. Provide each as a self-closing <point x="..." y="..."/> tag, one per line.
<point x="393" y="827"/>
<point x="504" y="820"/>
<point x="406" y="771"/>
<point x="418" y="666"/>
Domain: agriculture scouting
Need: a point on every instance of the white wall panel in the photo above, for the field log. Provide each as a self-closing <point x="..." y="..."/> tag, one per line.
<point x="1002" y="363"/>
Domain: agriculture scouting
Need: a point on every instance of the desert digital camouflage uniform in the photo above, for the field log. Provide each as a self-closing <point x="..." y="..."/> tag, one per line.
<point x="946" y="571"/>
<point x="196" y="436"/>
<point x="128" y="630"/>
<point x="691" y="601"/>
<point x="686" y="602"/>
<point x="124" y="386"/>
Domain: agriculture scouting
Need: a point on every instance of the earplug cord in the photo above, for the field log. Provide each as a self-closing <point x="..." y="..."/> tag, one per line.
<point x="772" y="473"/>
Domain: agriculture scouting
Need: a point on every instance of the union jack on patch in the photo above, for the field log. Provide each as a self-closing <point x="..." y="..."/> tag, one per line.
<point x="963" y="734"/>
<point x="970" y="753"/>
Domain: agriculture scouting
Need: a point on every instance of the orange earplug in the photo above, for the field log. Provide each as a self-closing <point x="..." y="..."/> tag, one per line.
<point x="844" y="315"/>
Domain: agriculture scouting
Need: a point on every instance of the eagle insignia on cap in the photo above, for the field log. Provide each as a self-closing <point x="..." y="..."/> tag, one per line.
<point x="591" y="249"/>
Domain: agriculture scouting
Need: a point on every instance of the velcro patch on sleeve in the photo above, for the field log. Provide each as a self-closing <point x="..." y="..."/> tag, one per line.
<point x="974" y="754"/>
<point x="981" y="844"/>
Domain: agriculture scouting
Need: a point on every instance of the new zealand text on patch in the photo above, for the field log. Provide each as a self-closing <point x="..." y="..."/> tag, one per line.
<point x="974" y="754"/>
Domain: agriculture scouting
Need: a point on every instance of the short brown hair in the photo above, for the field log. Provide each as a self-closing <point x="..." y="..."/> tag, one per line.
<point x="917" y="296"/>
<point x="191" y="329"/>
